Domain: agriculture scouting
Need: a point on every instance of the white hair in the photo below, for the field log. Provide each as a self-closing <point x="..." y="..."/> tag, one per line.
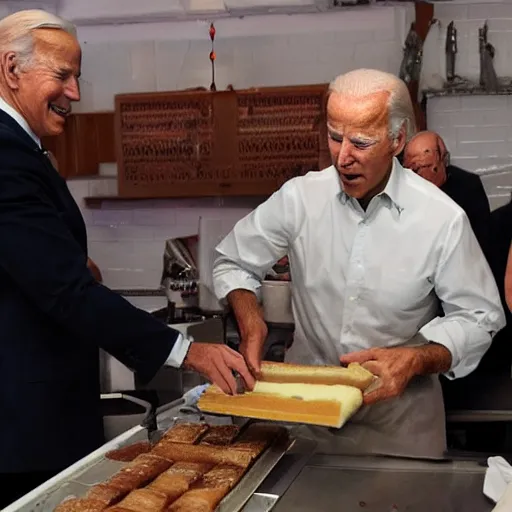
<point x="364" y="82"/>
<point x="17" y="32"/>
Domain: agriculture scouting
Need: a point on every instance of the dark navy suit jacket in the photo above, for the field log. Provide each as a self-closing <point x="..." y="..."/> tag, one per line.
<point x="54" y="317"/>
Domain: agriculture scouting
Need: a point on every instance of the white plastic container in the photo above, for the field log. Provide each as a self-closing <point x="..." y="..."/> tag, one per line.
<point x="276" y="297"/>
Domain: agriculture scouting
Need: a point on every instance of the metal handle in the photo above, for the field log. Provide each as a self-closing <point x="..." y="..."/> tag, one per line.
<point x="146" y="405"/>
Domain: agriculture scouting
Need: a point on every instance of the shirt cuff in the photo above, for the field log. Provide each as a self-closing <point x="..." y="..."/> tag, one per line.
<point x="448" y="334"/>
<point x="179" y="351"/>
<point x="237" y="280"/>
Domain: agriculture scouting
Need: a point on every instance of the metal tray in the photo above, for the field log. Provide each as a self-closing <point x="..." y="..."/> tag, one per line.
<point x="240" y="495"/>
<point x="95" y="468"/>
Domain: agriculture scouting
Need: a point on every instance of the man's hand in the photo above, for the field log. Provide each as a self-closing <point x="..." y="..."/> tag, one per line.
<point x="253" y="341"/>
<point x="217" y="363"/>
<point x="396" y="366"/>
<point x="253" y="329"/>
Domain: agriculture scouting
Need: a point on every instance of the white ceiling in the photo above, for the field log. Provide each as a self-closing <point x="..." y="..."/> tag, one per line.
<point x="93" y="12"/>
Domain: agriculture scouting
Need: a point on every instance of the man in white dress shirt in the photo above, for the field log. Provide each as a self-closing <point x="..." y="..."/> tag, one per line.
<point x="370" y="245"/>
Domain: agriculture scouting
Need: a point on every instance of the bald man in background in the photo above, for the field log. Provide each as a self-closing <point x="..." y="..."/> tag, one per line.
<point x="426" y="155"/>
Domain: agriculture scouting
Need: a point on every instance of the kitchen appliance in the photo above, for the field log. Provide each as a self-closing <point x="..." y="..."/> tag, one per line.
<point x="180" y="274"/>
<point x="276" y="297"/>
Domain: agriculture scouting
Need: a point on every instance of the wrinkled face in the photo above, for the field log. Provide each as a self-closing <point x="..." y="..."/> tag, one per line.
<point x="359" y="143"/>
<point x="425" y="157"/>
<point x="44" y="90"/>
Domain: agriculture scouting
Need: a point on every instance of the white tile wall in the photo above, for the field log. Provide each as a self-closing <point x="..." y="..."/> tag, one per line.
<point x="126" y="239"/>
<point x="478" y="129"/>
<point x="251" y="51"/>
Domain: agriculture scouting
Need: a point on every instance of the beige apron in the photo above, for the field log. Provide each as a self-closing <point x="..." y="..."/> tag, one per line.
<point x="412" y="425"/>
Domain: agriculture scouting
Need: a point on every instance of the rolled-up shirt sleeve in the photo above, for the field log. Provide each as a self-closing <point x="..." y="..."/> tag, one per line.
<point x="256" y="242"/>
<point x="470" y="299"/>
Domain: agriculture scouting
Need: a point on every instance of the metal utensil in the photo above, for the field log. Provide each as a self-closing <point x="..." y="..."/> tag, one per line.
<point x="240" y="384"/>
<point x="451" y="51"/>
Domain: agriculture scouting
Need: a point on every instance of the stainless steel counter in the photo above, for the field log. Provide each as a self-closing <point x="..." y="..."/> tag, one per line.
<point x="372" y="484"/>
<point x="304" y="481"/>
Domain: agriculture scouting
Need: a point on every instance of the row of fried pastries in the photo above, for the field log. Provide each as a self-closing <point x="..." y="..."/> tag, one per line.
<point x="191" y="469"/>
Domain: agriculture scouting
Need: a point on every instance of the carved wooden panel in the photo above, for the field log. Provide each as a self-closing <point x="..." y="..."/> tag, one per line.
<point x="217" y="143"/>
<point x="281" y="133"/>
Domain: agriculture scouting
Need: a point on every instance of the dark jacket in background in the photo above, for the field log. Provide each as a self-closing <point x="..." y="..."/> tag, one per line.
<point x="466" y="189"/>
<point x="498" y="359"/>
<point x="54" y="317"/>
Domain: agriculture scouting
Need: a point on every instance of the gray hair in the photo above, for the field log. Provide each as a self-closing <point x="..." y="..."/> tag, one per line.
<point x="17" y="31"/>
<point x="364" y="82"/>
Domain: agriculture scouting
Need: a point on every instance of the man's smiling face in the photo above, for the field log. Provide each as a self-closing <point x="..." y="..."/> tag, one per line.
<point x="44" y="90"/>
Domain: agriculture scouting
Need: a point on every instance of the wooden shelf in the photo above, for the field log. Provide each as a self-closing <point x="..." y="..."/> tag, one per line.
<point x="95" y="202"/>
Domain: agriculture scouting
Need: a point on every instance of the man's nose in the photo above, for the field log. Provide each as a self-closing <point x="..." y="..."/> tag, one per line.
<point x="72" y="90"/>
<point x="345" y="153"/>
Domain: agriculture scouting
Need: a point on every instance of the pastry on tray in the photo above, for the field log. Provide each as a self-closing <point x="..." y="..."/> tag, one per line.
<point x="257" y="436"/>
<point x="143" y="469"/>
<point x="198" y="500"/>
<point x="189" y="470"/>
<point x="187" y="433"/>
<point x="220" y="435"/>
<point x="145" y="500"/>
<point x="108" y="494"/>
<point x="207" y="492"/>
<point x="221" y="476"/>
<point x="130" y="452"/>
<point x="137" y="473"/>
<point x="203" y="453"/>
<point x="173" y="485"/>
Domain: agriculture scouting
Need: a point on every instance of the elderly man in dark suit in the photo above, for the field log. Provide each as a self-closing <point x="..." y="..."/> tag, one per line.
<point x="54" y="314"/>
<point x="426" y="154"/>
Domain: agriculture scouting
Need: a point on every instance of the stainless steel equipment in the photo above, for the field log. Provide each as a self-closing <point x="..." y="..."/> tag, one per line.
<point x="451" y="51"/>
<point x="122" y="412"/>
<point x="410" y="67"/>
<point x="488" y="77"/>
<point x="371" y="484"/>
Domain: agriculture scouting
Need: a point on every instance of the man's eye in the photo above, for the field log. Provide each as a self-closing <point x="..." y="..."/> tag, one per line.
<point x="361" y="145"/>
<point x="335" y="138"/>
<point x="63" y="75"/>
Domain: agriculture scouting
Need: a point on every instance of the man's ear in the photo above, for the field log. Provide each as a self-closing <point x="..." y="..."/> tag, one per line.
<point x="10" y="69"/>
<point x="399" y="142"/>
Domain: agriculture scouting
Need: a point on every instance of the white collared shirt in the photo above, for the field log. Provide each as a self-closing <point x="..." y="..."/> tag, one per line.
<point x="180" y="348"/>
<point x="19" y="119"/>
<point x="364" y="279"/>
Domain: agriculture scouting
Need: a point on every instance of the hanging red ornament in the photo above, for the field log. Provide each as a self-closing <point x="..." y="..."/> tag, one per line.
<point x="213" y="87"/>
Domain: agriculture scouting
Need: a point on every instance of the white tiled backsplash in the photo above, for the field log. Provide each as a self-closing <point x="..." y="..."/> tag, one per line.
<point x="127" y="239"/>
<point x="251" y="51"/>
<point x="478" y="133"/>
<point x="478" y="129"/>
<point x="468" y="18"/>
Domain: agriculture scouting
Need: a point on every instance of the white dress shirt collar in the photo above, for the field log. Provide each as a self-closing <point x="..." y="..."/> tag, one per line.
<point x="19" y="119"/>
<point x="391" y="195"/>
